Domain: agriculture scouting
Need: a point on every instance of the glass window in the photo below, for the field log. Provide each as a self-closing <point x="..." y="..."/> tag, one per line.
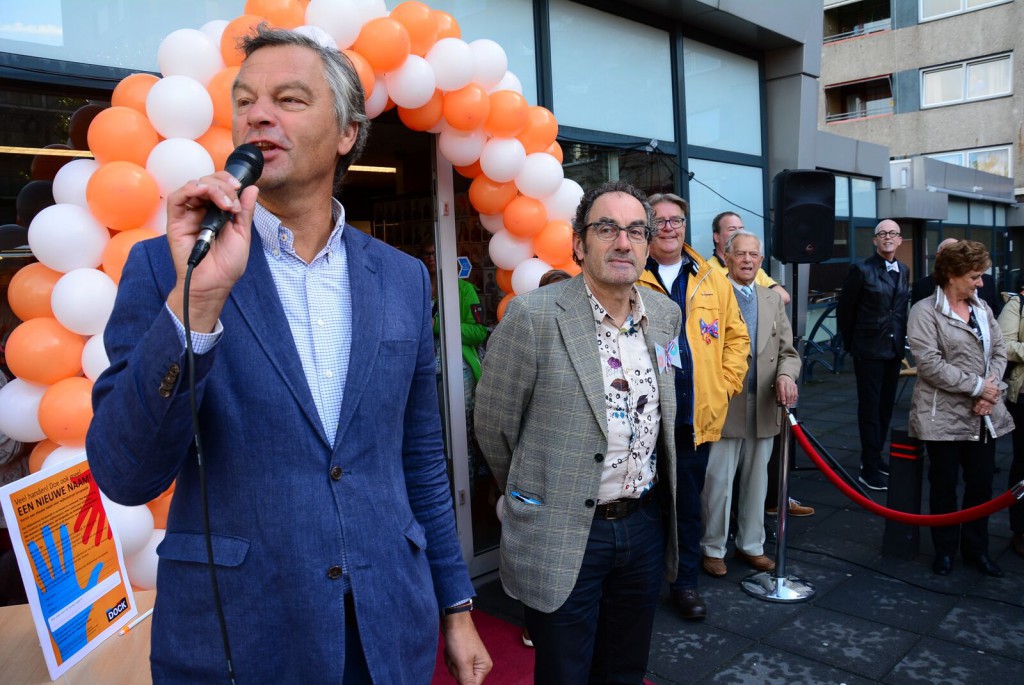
<point x="610" y="74"/>
<point x="864" y="197"/>
<point x="982" y="213"/>
<point x="717" y="187"/>
<point x="937" y="9"/>
<point x="723" y="99"/>
<point x="972" y="80"/>
<point x="842" y="195"/>
<point x="841" y="246"/>
<point x="994" y="161"/>
<point x="592" y="165"/>
<point x="957" y="211"/>
<point x="1000" y="215"/>
<point x="986" y="79"/>
<point x="858" y="100"/>
<point x="957" y="232"/>
<point x="863" y="241"/>
<point x="943" y="85"/>
<point x="509" y="23"/>
<point x="983" y="236"/>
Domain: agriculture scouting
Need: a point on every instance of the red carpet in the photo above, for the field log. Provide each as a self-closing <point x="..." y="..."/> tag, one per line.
<point x="513" y="661"/>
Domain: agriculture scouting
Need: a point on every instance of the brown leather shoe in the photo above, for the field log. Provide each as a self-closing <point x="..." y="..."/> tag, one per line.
<point x="714" y="566"/>
<point x="759" y="562"/>
<point x="689" y="604"/>
<point x="795" y="509"/>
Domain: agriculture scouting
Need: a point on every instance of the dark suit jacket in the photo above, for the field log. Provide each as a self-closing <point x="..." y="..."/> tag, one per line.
<point x="872" y="312"/>
<point x="286" y="506"/>
<point x="925" y="287"/>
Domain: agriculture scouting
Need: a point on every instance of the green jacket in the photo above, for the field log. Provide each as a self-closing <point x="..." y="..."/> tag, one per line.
<point x="473" y="330"/>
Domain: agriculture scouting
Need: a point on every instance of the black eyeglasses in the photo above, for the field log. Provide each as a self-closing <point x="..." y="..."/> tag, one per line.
<point x="673" y="221"/>
<point x="608" y="231"/>
<point x="887" y="234"/>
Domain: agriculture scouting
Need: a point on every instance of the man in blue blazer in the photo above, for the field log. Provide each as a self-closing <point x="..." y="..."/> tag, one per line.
<point x="330" y="516"/>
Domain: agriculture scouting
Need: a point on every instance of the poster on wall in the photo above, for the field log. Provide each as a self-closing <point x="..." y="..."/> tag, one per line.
<point x="70" y="561"/>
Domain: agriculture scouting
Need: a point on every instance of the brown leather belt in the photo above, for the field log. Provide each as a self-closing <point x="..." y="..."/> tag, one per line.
<point x="621" y="508"/>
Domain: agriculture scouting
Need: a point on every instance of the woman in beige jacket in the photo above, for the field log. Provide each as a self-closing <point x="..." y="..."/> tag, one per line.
<point x="957" y="409"/>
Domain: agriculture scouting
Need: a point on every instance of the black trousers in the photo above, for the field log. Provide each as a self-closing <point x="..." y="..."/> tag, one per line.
<point x="876" y="394"/>
<point x="977" y="460"/>
<point x="1017" y="465"/>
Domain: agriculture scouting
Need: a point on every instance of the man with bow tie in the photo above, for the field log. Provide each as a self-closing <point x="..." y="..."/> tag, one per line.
<point x="872" y="316"/>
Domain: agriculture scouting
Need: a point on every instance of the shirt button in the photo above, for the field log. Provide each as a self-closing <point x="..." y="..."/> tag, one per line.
<point x="320" y="322"/>
<point x="334" y="572"/>
<point x="598" y="457"/>
<point x="336" y="473"/>
<point x="589" y="504"/>
<point x="329" y="374"/>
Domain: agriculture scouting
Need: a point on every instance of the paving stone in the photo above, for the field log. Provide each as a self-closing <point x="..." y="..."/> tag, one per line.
<point x="937" y="662"/>
<point x="686" y="651"/>
<point x="767" y="666"/>
<point x="889" y="601"/>
<point x="994" y="627"/>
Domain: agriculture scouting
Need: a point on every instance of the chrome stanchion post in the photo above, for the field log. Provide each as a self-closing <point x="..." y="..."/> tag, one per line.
<point x="776" y="586"/>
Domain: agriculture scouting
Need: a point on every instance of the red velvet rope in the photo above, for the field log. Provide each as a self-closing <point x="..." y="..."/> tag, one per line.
<point x="951" y="519"/>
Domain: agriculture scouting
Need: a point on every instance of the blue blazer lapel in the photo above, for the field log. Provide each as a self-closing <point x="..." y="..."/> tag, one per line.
<point x="576" y="324"/>
<point x="365" y="287"/>
<point x="260" y="308"/>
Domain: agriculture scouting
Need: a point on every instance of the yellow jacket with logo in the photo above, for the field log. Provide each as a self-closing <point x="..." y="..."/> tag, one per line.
<point x="719" y="362"/>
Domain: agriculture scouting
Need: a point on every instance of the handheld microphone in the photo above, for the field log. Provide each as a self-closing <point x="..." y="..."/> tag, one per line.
<point x="246" y="165"/>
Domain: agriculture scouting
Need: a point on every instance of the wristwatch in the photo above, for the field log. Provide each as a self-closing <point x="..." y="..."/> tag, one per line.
<point x="458" y="608"/>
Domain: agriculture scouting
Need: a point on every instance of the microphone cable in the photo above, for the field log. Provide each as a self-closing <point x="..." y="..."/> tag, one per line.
<point x="190" y="363"/>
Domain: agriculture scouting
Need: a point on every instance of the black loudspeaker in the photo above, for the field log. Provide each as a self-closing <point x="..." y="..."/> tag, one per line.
<point x="805" y="216"/>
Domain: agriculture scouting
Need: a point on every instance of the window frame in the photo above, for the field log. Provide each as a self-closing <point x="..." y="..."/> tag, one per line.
<point x="963" y="10"/>
<point x="965" y="156"/>
<point x="963" y="66"/>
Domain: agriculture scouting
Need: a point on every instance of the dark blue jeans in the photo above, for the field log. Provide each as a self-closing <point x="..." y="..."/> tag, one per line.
<point x="691" y="467"/>
<point x="602" y="633"/>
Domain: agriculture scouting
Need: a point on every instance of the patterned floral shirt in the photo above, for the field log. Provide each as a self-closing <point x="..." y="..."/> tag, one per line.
<point x="632" y="400"/>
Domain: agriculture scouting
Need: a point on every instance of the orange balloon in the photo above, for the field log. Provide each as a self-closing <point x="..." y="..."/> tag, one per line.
<point x="45" y="167"/>
<point x="115" y="254"/>
<point x="555" y="150"/>
<point x="525" y="217"/>
<point x="237" y="29"/>
<point x="491" y="197"/>
<point x="30" y="289"/>
<point x="217" y="141"/>
<point x="541" y="130"/>
<point x="122" y="195"/>
<point x="219" y="89"/>
<point x="504" y="279"/>
<point x="447" y="27"/>
<point x="132" y="91"/>
<point x="122" y="133"/>
<point x="66" y="410"/>
<point x="42" y="351"/>
<point x="471" y="171"/>
<point x="467" y="108"/>
<point x="426" y="117"/>
<point x="503" y="304"/>
<point x="554" y="244"/>
<point x="390" y="105"/>
<point x="384" y="43"/>
<point x="365" y="71"/>
<point x="419" y="21"/>
<point x="39" y="454"/>
<point x="509" y="114"/>
<point x="285" y="14"/>
<point x="570" y="267"/>
<point x="159" y="508"/>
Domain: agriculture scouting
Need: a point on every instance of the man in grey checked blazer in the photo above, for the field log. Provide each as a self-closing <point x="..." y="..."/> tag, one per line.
<point x="575" y="413"/>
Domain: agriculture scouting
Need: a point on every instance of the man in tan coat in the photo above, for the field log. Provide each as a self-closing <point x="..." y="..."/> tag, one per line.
<point x="752" y="421"/>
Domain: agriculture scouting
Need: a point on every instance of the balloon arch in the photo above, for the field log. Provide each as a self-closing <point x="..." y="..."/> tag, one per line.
<point x="160" y="132"/>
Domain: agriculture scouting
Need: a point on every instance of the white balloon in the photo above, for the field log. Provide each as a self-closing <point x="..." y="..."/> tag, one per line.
<point x="343" y="20"/>
<point x="412" y="84"/>
<point x="453" y="63"/>
<point x="370" y="9"/>
<point x="507" y="251"/>
<point x="82" y="300"/>
<point x="502" y="159"/>
<point x="70" y="182"/>
<point x="19" y="410"/>
<point x="67" y="237"/>
<point x="176" y="161"/>
<point x="94" y="357"/>
<point x="541" y="175"/>
<point x="141" y="567"/>
<point x="508" y="82"/>
<point x="158" y="220"/>
<point x="562" y="203"/>
<point x="132" y="525"/>
<point x="320" y="35"/>
<point x="179" y="107"/>
<point x="493" y="222"/>
<point x="461" y="148"/>
<point x="61" y="454"/>
<point x="189" y="52"/>
<point x="214" y="30"/>
<point x="526" y="275"/>
<point x="491" y="62"/>
<point x="378" y="99"/>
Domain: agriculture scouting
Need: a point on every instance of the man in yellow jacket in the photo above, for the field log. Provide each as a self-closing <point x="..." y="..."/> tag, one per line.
<point x="710" y="367"/>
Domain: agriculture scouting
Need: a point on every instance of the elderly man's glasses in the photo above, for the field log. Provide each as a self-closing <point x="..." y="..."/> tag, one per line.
<point x="673" y="221"/>
<point x="608" y="231"/>
<point x="887" y="234"/>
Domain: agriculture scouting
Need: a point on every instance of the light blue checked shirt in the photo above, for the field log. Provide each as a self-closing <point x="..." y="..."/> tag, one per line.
<point x="317" y="302"/>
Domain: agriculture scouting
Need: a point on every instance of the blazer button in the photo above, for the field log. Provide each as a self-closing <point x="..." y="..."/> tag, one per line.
<point x="173" y="370"/>
<point x="589" y="504"/>
<point x="334" y="572"/>
<point x="336" y="473"/>
<point x="598" y="457"/>
<point x="165" y="392"/>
